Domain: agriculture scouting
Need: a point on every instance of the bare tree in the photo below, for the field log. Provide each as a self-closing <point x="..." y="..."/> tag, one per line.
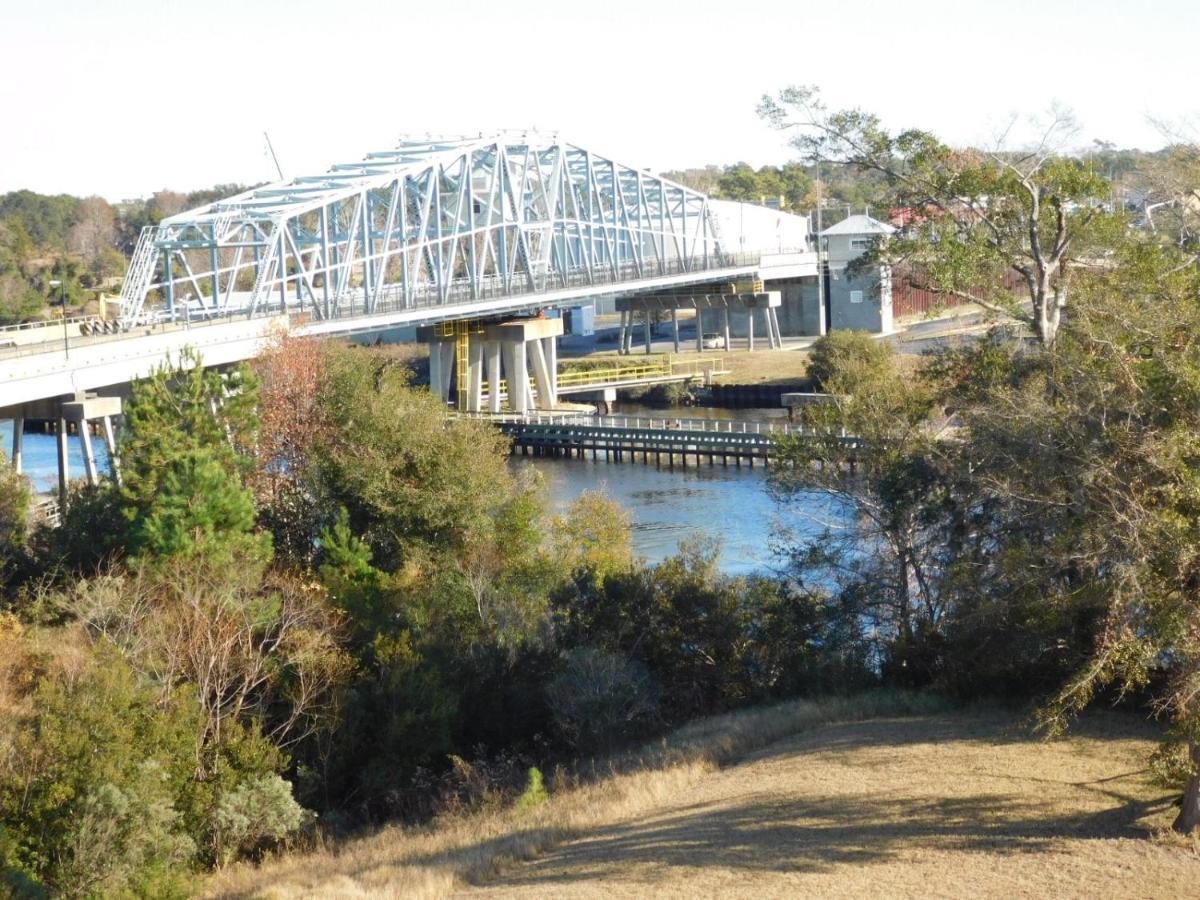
<point x="95" y="232"/>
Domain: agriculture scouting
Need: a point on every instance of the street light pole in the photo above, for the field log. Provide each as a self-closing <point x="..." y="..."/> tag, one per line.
<point x="62" y="299"/>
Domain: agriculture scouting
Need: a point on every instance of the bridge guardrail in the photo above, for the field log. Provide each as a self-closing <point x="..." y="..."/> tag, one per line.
<point x="391" y="299"/>
<point x="651" y="423"/>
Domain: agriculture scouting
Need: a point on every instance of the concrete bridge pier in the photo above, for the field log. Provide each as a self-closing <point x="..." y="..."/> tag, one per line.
<point x="512" y="348"/>
<point x="475" y="375"/>
<point x="707" y="307"/>
<point x="80" y="412"/>
<point x="526" y="343"/>
<point x="16" y="456"/>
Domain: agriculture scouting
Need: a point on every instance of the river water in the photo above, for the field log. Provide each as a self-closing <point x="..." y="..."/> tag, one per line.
<point x="665" y="506"/>
<point x="40" y="456"/>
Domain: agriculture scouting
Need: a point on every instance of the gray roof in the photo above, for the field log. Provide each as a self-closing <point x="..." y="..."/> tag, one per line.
<point x="858" y="225"/>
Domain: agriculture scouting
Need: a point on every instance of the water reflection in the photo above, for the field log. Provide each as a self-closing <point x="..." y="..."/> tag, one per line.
<point x="668" y="506"/>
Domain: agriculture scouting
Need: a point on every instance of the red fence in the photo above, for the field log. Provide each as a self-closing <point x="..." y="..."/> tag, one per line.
<point x="910" y="300"/>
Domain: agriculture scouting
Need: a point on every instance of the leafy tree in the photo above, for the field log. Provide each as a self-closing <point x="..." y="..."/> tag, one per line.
<point x="1085" y="489"/>
<point x="92" y="533"/>
<point x="94" y="230"/>
<point x="293" y="425"/>
<point x="977" y="215"/>
<point x="594" y="534"/>
<point x="873" y="451"/>
<point x="791" y="184"/>
<point x="47" y="220"/>
<point x="198" y="511"/>
<point x="14" y="518"/>
<point x="19" y="300"/>
<point x="93" y="768"/>
<point x="850" y="360"/>
<point x="708" y="642"/>
<point x="184" y="461"/>
<point x="599" y="698"/>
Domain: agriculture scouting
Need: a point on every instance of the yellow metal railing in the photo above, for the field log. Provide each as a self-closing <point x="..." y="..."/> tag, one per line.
<point x="662" y="367"/>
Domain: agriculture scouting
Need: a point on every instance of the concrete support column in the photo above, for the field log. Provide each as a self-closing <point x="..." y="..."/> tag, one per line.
<point x="699" y="330"/>
<point x="621" y="334"/>
<point x="725" y="323"/>
<point x="64" y="465"/>
<point x="491" y="352"/>
<point x="551" y="347"/>
<point x="750" y="329"/>
<point x="675" y="326"/>
<point x="475" y="376"/>
<point x="773" y="315"/>
<point x="89" y="458"/>
<point x="518" y="376"/>
<point x="646" y="329"/>
<point x="435" y="369"/>
<point x="514" y="338"/>
<point x="541" y="374"/>
<point x="110" y="441"/>
<point x="446" y="351"/>
<point x="17" y="439"/>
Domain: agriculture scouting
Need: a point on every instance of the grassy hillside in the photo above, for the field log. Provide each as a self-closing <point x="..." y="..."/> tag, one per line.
<point x="868" y="792"/>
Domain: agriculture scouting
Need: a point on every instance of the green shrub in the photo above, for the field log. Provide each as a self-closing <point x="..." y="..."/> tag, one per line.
<point x="256" y="814"/>
<point x="600" y="697"/>
<point x="535" y="791"/>
<point x="127" y="839"/>
<point x="848" y="356"/>
<point x="93" y="763"/>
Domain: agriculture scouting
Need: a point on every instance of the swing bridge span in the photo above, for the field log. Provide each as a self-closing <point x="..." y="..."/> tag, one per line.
<point x="437" y="232"/>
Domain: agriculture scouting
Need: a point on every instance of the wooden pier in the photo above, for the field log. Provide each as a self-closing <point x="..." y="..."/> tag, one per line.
<point x="666" y="441"/>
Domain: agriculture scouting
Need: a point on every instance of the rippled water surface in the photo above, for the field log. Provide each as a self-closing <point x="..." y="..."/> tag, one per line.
<point x="666" y="506"/>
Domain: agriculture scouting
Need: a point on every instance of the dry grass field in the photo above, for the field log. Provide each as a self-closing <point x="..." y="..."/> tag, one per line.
<point x="856" y="802"/>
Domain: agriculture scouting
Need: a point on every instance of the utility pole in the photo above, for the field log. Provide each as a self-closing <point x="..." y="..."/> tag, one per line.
<point x="820" y="268"/>
<point x="60" y="283"/>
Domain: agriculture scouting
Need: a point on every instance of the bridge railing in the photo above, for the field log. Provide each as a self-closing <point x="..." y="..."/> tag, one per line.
<point x="395" y="297"/>
<point x="661" y="367"/>
<point x="53" y="342"/>
<point x="392" y="298"/>
<point x="653" y="423"/>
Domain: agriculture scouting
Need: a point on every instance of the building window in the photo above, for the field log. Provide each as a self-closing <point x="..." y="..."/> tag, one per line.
<point x="856" y="296"/>
<point x="860" y="243"/>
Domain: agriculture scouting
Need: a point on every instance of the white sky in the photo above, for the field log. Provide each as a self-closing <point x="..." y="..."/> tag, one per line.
<point x="125" y="98"/>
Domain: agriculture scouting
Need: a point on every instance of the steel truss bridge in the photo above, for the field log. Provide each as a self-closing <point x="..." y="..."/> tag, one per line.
<point x="431" y="224"/>
<point x="433" y="231"/>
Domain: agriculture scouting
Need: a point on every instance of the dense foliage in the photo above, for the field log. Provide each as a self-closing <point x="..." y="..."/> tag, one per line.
<point x="83" y="242"/>
<point x="314" y="590"/>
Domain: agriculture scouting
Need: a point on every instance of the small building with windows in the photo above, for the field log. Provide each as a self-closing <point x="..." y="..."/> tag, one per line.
<point x="861" y="301"/>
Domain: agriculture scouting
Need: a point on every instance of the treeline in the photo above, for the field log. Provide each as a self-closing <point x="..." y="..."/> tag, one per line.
<point x="84" y="242"/>
<point x="1138" y="179"/>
